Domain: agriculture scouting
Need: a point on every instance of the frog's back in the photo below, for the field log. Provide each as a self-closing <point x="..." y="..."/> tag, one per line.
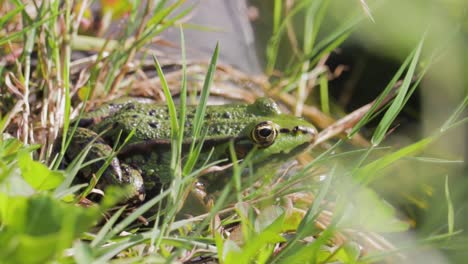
<point x="152" y="122"/>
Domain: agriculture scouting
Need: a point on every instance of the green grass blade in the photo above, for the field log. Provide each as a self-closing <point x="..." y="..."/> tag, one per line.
<point x="18" y="34"/>
<point x="183" y="93"/>
<point x="135" y="215"/>
<point x="9" y="15"/>
<point x="72" y="169"/>
<point x="381" y="98"/>
<point x="435" y="160"/>
<point x="315" y="14"/>
<point x="99" y="238"/>
<point x="324" y="98"/>
<point x="66" y="75"/>
<point x="307" y="226"/>
<point x="397" y="104"/>
<point x="456" y="114"/>
<point x="200" y="114"/>
<point x="151" y="32"/>
<point x="277" y="10"/>
<point x="332" y="40"/>
<point x="450" y="210"/>
<point x="172" y="111"/>
<point x="368" y="173"/>
<point x="162" y="14"/>
<point x="273" y="44"/>
<point x="69" y="191"/>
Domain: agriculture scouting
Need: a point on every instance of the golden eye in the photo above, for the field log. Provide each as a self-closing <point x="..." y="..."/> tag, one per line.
<point x="264" y="134"/>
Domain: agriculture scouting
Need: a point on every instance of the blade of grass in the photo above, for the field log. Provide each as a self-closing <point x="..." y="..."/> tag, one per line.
<point x="71" y="190"/>
<point x="66" y="74"/>
<point x="136" y="19"/>
<point x="177" y="132"/>
<point x="273" y="43"/>
<point x="367" y="10"/>
<point x="163" y="13"/>
<point x="324" y="99"/>
<point x="99" y="238"/>
<point x="172" y="112"/>
<point x="200" y="114"/>
<point x="61" y="155"/>
<point x="11" y="14"/>
<point x="312" y="25"/>
<point x="390" y="86"/>
<point x="277" y="10"/>
<point x="456" y="114"/>
<point x="397" y="104"/>
<point x="135" y="215"/>
<point x="183" y="93"/>
<point x="315" y="14"/>
<point x="450" y="211"/>
<point x="151" y="32"/>
<point x="18" y="34"/>
<point x="72" y="170"/>
<point x="435" y="160"/>
<point x="332" y="41"/>
<point x="367" y="173"/>
<point x="307" y="225"/>
<point x="389" y="92"/>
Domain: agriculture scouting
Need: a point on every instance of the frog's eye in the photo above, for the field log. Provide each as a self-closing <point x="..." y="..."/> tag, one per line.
<point x="264" y="134"/>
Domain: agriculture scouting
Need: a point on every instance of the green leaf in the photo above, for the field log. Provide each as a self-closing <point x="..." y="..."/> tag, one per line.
<point x="37" y="229"/>
<point x="37" y="174"/>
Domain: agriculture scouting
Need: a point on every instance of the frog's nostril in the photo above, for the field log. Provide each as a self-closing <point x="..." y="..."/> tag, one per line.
<point x="309" y="130"/>
<point x="304" y="130"/>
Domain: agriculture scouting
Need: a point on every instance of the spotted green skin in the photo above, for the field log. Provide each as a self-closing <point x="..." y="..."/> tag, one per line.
<point x="144" y="161"/>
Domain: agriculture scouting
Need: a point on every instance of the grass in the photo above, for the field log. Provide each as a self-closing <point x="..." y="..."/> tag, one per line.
<point x="322" y="210"/>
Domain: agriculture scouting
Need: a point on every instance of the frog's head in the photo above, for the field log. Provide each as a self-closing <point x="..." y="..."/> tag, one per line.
<point x="275" y="135"/>
<point x="281" y="137"/>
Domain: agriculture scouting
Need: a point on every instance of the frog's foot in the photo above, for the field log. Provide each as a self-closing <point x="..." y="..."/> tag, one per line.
<point x="132" y="177"/>
<point x="197" y="201"/>
<point x="99" y="154"/>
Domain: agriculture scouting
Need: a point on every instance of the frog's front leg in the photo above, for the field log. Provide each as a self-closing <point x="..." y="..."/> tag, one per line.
<point x="116" y="173"/>
<point x="196" y="201"/>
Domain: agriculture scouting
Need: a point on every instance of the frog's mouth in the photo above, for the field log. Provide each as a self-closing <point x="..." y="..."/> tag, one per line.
<point x="300" y="129"/>
<point x="283" y="155"/>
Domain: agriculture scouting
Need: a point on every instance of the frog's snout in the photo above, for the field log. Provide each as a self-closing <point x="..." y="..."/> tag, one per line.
<point x="305" y="130"/>
<point x="313" y="134"/>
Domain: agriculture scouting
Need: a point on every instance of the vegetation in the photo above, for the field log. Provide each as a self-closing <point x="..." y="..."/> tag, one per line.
<point x="322" y="208"/>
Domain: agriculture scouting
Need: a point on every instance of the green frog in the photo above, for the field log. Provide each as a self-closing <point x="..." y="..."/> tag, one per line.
<point x="144" y="162"/>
